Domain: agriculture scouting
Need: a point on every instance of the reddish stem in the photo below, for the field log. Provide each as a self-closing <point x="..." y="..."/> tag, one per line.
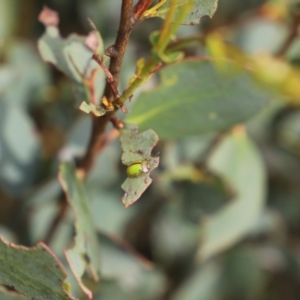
<point x="140" y="8"/>
<point x="293" y="34"/>
<point x="109" y="78"/>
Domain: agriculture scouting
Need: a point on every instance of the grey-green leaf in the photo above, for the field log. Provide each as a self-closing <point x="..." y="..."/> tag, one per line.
<point x="239" y="163"/>
<point x="199" y="9"/>
<point x="34" y="272"/>
<point x="4" y="295"/>
<point x="135" y="187"/>
<point x="85" y="255"/>
<point x="137" y="146"/>
<point x="66" y="54"/>
<point x="201" y="284"/>
<point x="194" y="97"/>
<point x="71" y="56"/>
<point x="88" y="108"/>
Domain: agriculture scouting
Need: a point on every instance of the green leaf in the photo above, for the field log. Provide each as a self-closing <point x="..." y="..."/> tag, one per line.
<point x="16" y="129"/>
<point x="195" y="98"/>
<point x="72" y="56"/>
<point x="22" y="61"/>
<point x="202" y="284"/>
<point x="5" y="295"/>
<point x="96" y="110"/>
<point x="243" y="270"/>
<point x="239" y="163"/>
<point x="120" y="262"/>
<point x="137" y="147"/>
<point x="85" y="253"/>
<point x="34" y="272"/>
<point x="199" y="9"/>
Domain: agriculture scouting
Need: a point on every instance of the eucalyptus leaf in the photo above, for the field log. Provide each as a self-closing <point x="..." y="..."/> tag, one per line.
<point x="137" y="148"/>
<point x="199" y="9"/>
<point x="96" y="110"/>
<point x="202" y="284"/>
<point x="134" y="273"/>
<point x="72" y="56"/>
<point x="19" y="146"/>
<point x="195" y="98"/>
<point x="85" y="255"/>
<point x="136" y="145"/>
<point x="238" y="162"/>
<point x="33" y="272"/>
<point x="4" y="295"/>
<point x="135" y="187"/>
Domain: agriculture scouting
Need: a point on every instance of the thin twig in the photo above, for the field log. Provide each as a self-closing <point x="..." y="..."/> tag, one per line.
<point x="211" y="147"/>
<point x="62" y="200"/>
<point x="181" y="43"/>
<point x="140" y="8"/>
<point x="98" y="139"/>
<point x="63" y="207"/>
<point x="99" y="124"/>
<point x="124" y="31"/>
<point x="293" y="34"/>
<point x="109" y="77"/>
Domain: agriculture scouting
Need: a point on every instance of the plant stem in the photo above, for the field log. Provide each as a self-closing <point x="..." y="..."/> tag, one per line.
<point x="165" y="33"/>
<point x="170" y="26"/>
<point x="154" y="63"/>
<point x="140" y="8"/>
<point x="124" y="31"/>
<point x="149" y="68"/>
<point x="63" y="207"/>
<point x="99" y="123"/>
<point x="181" y="43"/>
<point x="109" y="77"/>
<point x="293" y="34"/>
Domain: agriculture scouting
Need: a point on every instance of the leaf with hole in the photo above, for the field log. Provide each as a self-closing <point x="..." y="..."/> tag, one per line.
<point x="199" y="9"/>
<point x="85" y="254"/>
<point x="72" y="56"/>
<point x="137" y="148"/>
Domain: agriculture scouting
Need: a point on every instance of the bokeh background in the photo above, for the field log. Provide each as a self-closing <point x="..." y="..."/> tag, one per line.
<point x="149" y="249"/>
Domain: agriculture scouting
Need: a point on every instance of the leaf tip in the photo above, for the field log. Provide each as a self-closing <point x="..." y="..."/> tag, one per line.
<point x="91" y="41"/>
<point x="48" y="17"/>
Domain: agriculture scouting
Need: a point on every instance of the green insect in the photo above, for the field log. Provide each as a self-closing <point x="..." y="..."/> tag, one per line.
<point x="138" y="168"/>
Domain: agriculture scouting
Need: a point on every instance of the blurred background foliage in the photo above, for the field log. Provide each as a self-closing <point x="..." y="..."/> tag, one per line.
<point x="40" y="125"/>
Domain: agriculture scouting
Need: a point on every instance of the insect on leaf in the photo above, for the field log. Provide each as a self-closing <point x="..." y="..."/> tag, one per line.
<point x="137" y="148"/>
